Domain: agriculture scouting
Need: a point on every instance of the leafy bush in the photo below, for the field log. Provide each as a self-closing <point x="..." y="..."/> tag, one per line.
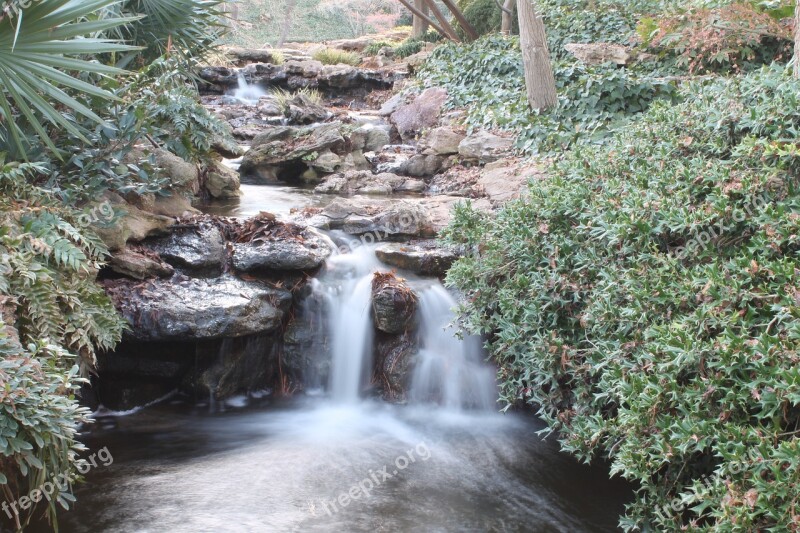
<point x="332" y="56"/>
<point x="644" y="297"/>
<point x="734" y="37"/>
<point x="483" y="15"/>
<point x="373" y="48"/>
<point x="486" y="78"/>
<point x="39" y="418"/>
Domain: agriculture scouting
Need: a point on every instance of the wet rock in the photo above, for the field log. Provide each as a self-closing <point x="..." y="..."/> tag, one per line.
<point x="183" y="176"/>
<point x="441" y="141"/>
<point x="222" y="182"/>
<point x="308" y="68"/>
<point x="485" y="147"/>
<point x="340" y="76"/>
<point x="423" y="112"/>
<point x="326" y="163"/>
<point x="395" y="357"/>
<point x="197" y="309"/>
<point x="198" y="249"/>
<point x="308" y="252"/>
<point x="241" y="366"/>
<point x="394" y="304"/>
<point x="424" y="258"/>
<point x="227" y="147"/>
<point x="365" y="182"/>
<point x="138" y="266"/>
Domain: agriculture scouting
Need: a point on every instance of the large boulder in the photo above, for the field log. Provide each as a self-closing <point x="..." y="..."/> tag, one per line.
<point x="365" y="182"/>
<point x="370" y="138"/>
<point x="284" y="153"/>
<point x="304" y="252"/>
<point x="198" y="249"/>
<point x="395" y="357"/>
<point x="196" y="309"/>
<point x="303" y="110"/>
<point x="423" y="112"/>
<point x="484" y="147"/>
<point x="394" y="304"/>
<point x="424" y="258"/>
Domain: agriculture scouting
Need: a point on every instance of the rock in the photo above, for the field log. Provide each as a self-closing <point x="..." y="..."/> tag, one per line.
<point x="439" y="209"/>
<point x="369" y="138"/>
<point x="310" y="68"/>
<point x="197" y="309"/>
<point x="226" y="146"/>
<point x="130" y="224"/>
<point x="327" y="162"/>
<point x="302" y="110"/>
<point x="284" y="153"/>
<point x="365" y="182"/>
<point x="423" y="165"/>
<point x="308" y="252"/>
<point x="394" y="304"/>
<point x="379" y="217"/>
<point x="441" y="141"/>
<point x="138" y="266"/>
<point x="241" y="366"/>
<point x="425" y="259"/>
<point x="413" y="62"/>
<point x="339" y="76"/>
<point x="507" y="179"/>
<point x="484" y="147"/>
<point x="222" y="182"/>
<point x="392" y="104"/>
<point x="423" y="112"/>
<point x="183" y="175"/>
<point x="251" y="55"/>
<point x="199" y="250"/>
<point x="395" y="357"/>
<point x="598" y="53"/>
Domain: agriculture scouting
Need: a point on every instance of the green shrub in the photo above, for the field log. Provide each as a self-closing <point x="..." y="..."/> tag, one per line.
<point x="644" y="297"/>
<point x="486" y="78"/>
<point x="483" y="15"/>
<point x="332" y="56"/>
<point x="374" y="48"/>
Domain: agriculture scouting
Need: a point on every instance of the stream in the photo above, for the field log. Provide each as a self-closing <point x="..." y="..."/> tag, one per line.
<point x="447" y="462"/>
<point x="334" y="459"/>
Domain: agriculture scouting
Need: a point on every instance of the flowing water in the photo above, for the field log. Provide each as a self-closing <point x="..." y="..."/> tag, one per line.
<point x="337" y="462"/>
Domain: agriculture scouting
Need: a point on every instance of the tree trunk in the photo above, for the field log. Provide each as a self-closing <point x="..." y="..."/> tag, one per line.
<point x="469" y="30"/>
<point x="539" y="80"/>
<point x="508" y="17"/>
<point x="797" y="39"/>
<point x="445" y="24"/>
<point x="420" y="24"/>
<point x="287" y="23"/>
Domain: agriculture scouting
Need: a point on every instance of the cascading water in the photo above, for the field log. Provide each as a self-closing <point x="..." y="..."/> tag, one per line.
<point x="450" y="371"/>
<point x="347" y="287"/>
<point x="246" y="93"/>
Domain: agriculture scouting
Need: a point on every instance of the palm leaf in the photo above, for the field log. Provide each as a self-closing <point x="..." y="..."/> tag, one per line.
<point x="38" y="48"/>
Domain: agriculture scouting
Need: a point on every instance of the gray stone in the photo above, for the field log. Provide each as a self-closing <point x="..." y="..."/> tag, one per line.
<point x="485" y="147"/>
<point x="222" y="182"/>
<point x="370" y="138"/>
<point x="306" y="253"/>
<point x="365" y="182"/>
<point x="424" y="258"/>
<point x="423" y="112"/>
<point x="442" y="141"/>
<point x="199" y="249"/>
<point x="204" y="309"/>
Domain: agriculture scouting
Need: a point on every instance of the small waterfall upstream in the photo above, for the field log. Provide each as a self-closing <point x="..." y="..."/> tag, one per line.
<point x="448" y="371"/>
<point x="246" y="93"/>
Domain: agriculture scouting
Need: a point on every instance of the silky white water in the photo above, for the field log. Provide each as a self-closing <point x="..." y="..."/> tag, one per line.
<point x="246" y="93"/>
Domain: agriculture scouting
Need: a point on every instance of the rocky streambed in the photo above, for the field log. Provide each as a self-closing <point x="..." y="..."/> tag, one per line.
<point x="218" y="281"/>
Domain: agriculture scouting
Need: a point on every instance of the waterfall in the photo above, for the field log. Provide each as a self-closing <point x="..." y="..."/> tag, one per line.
<point x="347" y="286"/>
<point x="450" y="371"/>
<point x="246" y="93"/>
